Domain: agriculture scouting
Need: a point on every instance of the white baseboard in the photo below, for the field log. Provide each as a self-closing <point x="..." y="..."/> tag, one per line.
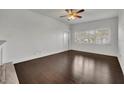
<point x="95" y="52"/>
<point x="36" y="56"/>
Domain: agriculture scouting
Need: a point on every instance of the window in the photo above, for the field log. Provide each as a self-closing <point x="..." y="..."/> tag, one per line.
<point x="96" y="36"/>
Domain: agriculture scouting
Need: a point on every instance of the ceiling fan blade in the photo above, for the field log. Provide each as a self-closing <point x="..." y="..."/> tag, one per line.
<point x="82" y="10"/>
<point x="63" y="16"/>
<point x="67" y="10"/>
<point x="71" y="10"/>
<point x="79" y="16"/>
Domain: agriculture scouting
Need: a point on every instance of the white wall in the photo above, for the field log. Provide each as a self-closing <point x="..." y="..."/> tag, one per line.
<point x="30" y="35"/>
<point x="121" y="38"/>
<point x="110" y="49"/>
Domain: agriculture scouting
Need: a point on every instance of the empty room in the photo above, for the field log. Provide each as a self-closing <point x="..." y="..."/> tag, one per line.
<point x="61" y="46"/>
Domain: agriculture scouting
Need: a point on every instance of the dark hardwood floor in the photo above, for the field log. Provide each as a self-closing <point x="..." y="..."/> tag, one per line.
<point x="71" y="67"/>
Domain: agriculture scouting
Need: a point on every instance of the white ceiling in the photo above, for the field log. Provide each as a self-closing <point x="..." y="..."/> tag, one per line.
<point x="88" y="15"/>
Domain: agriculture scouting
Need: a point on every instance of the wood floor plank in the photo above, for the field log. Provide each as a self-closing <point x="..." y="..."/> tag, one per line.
<point x="71" y="67"/>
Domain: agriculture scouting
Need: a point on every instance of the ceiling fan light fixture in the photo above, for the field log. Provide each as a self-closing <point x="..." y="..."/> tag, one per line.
<point x="73" y="14"/>
<point x="71" y="17"/>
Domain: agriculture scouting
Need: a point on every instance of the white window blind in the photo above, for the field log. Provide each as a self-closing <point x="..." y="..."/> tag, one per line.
<point x="96" y="36"/>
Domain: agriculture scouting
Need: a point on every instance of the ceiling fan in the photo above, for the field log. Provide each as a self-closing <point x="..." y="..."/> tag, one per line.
<point x="73" y="14"/>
